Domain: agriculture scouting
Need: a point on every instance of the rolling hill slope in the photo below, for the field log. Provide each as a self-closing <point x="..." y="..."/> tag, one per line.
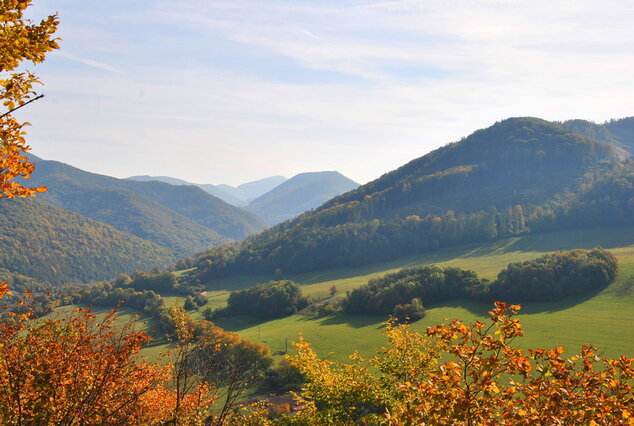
<point x="605" y="319"/>
<point x="518" y="176"/>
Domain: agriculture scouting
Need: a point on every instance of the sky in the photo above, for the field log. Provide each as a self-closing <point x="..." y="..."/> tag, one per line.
<point x="233" y="91"/>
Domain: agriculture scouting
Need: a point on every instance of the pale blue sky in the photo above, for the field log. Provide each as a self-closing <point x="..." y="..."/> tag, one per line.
<point x="231" y="91"/>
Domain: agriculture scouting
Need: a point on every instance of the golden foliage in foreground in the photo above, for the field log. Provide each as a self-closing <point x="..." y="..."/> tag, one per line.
<point x="20" y="40"/>
<point x="465" y="375"/>
<point x="81" y="370"/>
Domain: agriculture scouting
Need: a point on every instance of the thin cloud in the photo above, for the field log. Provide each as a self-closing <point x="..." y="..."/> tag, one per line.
<point x="417" y="75"/>
<point x="92" y="63"/>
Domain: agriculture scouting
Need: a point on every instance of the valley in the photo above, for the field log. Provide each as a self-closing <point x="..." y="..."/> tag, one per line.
<point x="185" y="248"/>
<point x="604" y="319"/>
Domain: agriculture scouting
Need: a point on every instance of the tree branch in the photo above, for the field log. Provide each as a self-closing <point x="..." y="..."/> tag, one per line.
<point x="20" y="106"/>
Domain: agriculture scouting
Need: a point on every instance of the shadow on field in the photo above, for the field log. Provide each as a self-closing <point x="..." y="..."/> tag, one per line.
<point x="475" y="307"/>
<point x="481" y="308"/>
<point x="354" y="321"/>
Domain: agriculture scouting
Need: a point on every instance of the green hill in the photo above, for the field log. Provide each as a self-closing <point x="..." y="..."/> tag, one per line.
<point x="157" y="203"/>
<point x="129" y="212"/>
<point x="298" y="194"/>
<point x="521" y="175"/>
<point x="53" y="245"/>
<point x="604" y="318"/>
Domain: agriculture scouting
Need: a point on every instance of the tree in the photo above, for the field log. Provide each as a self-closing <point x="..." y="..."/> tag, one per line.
<point x="79" y="369"/>
<point x="214" y="364"/>
<point x="74" y="370"/>
<point x="20" y="40"/>
<point x="465" y="375"/>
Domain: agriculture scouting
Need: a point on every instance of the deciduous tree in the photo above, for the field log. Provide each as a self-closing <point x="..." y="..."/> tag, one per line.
<point x="20" y="40"/>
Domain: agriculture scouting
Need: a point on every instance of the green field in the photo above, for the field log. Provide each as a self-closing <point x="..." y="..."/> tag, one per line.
<point x="605" y="319"/>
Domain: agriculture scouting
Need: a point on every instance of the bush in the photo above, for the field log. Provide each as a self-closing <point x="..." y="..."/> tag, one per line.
<point x="554" y="276"/>
<point x="409" y="312"/>
<point x="548" y="278"/>
<point x="326" y="309"/>
<point x="429" y="283"/>
<point x="283" y="378"/>
<point x="273" y="299"/>
<point x="189" y="304"/>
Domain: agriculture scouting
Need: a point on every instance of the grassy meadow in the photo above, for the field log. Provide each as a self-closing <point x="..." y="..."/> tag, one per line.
<point x="605" y="319"/>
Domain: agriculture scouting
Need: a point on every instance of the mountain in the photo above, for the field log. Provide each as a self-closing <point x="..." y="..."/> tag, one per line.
<point x="237" y="196"/>
<point x="50" y="244"/>
<point x="211" y="189"/>
<point x="300" y="193"/>
<point x="184" y="218"/>
<point x="252" y="190"/>
<point x="518" y="176"/>
<point x="619" y="132"/>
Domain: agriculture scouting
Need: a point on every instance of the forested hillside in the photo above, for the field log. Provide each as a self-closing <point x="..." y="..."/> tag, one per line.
<point x="518" y="176"/>
<point x="156" y="204"/>
<point x="139" y="216"/>
<point x="300" y="193"/>
<point x="50" y="244"/>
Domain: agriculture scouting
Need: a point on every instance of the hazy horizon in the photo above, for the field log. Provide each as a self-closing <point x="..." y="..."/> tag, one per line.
<point x="231" y="92"/>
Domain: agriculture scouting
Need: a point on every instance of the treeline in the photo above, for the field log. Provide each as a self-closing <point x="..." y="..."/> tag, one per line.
<point x="273" y="299"/>
<point x="551" y="277"/>
<point x="139" y="290"/>
<point x="159" y="281"/>
<point x="605" y="200"/>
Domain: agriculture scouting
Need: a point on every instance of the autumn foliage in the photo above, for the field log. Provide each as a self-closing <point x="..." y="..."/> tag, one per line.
<point x="465" y="375"/>
<point x="20" y="40"/>
<point x="82" y="370"/>
<point x="79" y="369"/>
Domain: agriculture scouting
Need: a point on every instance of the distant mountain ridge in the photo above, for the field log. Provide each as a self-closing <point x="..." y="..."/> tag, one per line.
<point x="185" y="219"/>
<point x="251" y="190"/>
<point x="238" y="196"/>
<point x="298" y="194"/>
<point x="211" y="189"/>
<point x="520" y="175"/>
<point x="274" y="199"/>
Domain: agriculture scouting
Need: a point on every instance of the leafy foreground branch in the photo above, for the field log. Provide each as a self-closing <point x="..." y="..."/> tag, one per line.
<point x="464" y="375"/>
<point x="81" y="370"/>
